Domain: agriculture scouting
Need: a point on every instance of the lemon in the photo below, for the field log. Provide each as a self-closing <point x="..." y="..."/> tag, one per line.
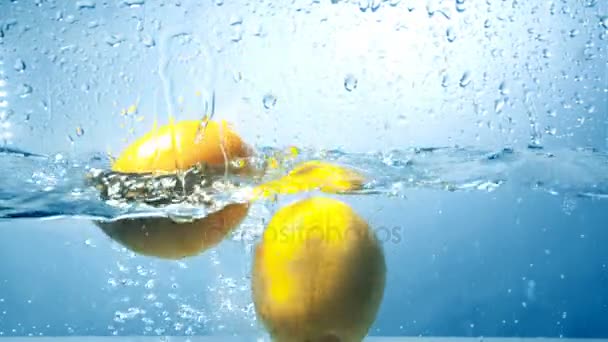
<point x="179" y="146"/>
<point x="164" y="238"/>
<point x="318" y="273"/>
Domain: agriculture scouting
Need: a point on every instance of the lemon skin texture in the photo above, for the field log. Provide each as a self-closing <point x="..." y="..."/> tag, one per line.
<point x="318" y="273"/>
<point x="179" y="146"/>
<point x="166" y="239"/>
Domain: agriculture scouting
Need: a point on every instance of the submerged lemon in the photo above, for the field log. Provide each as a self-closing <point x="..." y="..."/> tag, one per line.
<point x="318" y="273"/>
<point x="179" y="146"/>
<point x="313" y="175"/>
<point x="167" y="239"/>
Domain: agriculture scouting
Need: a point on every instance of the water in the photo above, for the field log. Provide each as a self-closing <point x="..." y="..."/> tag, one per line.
<point x="53" y="186"/>
<point x="480" y="126"/>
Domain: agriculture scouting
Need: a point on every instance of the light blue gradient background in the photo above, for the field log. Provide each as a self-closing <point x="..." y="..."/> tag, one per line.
<point x="465" y="261"/>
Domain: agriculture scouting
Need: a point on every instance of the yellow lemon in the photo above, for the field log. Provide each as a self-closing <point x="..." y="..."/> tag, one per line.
<point x="318" y="273"/>
<point x="179" y="146"/>
<point x="313" y="175"/>
<point x="167" y="239"/>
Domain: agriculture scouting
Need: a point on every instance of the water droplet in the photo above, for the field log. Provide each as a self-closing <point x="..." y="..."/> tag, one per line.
<point x="375" y="5"/>
<point x="460" y="6"/>
<point x="219" y="2"/>
<point x="604" y="21"/>
<point x="487" y="23"/>
<point x="547" y="53"/>
<point x="79" y="131"/>
<point x="504" y="88"/>
<point x="350" y="82"/>
<point x="114" y="40"/>
<point x="450" y="34"/>
<point x="85" y="4"/>
<point x="269" y="101"/>
<point x="364" y="5"/>
<point x="590" y="109"/>
<point x="445" y="80"/>
<point x="394" y="2"/>
<point x="133" y="3"/>
<point x="499" y="105"/>
<point x="552" y="113"/>
<point x="564" y="315"/>
<point x="19" y="65"/>
<point x="25" y="90"/>
<point x="236" y="20"/>
<point x="550" y="130"/>
<point x="89" y="243"/>
<point x="573" y="33"/>
<point x="465" y="80"/>
<point x="147" y="40"/>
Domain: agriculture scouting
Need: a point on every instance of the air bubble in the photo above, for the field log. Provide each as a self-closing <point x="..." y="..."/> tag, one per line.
<point x="269" y="101"/>
<point x="350" y="82"/>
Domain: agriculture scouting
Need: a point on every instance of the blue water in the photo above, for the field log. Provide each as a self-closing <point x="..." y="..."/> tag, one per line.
<point x="481" y="128"/>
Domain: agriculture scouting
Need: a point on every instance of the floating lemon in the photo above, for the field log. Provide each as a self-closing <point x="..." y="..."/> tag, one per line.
<point x="167" y="239"/>
<point x="179" y="146"/>
<point x="318" y="273"/>
<point x="313" y="175"/>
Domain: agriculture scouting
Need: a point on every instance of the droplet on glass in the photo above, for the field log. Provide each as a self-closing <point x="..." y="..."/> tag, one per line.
<point x="269" y="101"/>
<point x="573" y="33"/>
<point x="25" y="90"/>
<point x="79" y="131"/>
<point x="375" y="5"/>
<point x="350" y="82"/>
<point x="499" y="105"/>
<point x="552" y="113"/>
<point x="219" y="2"/>
<point x="148" y="41"/>
<point x="236" y="20"/>
<point x="546" y="53"/>
<point x="465" y="80"/>
<point x="364" y="5"/>
<point x="450" y="34"/>
<point x="460" y="6"/>
<point x="503" y="88"/>
<point x="604" y="21"/>
<point x="19" y="65"/>
<point x="394" y="2"/>
<point x="85" y="4"/>
<point x="445" y="80"/>
<point x="133" y="3"/>
<point x="114" y="40"/>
